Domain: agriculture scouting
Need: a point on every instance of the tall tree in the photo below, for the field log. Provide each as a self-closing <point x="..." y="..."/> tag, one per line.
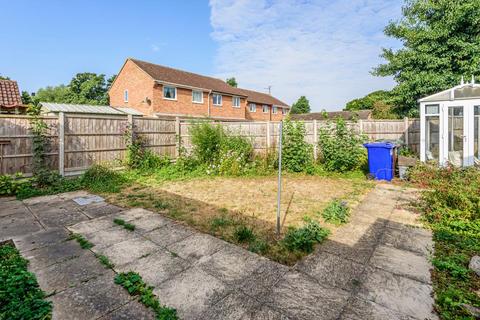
<point x="441" y="42"/>
<point x="4" y="78"/>
<point x="26" y="98"/>
<point x="368" y="101"/>
<point x="232" y="82"/>
<point x="301" y="106"/>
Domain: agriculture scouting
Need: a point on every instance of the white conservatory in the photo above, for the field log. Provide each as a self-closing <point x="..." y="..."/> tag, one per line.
<point x="450" y="126"/>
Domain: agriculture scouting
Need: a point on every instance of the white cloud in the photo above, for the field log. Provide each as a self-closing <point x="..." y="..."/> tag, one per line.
<point x="322" y="49"/>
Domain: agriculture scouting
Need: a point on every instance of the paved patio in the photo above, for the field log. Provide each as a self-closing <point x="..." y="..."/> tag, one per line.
<point x="375" y="267"/>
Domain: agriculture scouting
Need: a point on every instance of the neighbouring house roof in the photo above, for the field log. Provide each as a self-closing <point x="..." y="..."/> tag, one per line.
<point x="347" y="115"/>
<point x="50" y="107"/>
<point x="174" y="76"/>
<point x="460" y="92"/>
<point x="10" y="94"/>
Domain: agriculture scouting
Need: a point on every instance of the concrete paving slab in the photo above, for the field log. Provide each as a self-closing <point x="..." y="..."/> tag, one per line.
<point x="398" y="293"/>
<point x="332" y="270"/>
<point x="95" y="210"/>
<point x="408" y="239"/>
<point x="13" y="207"/>
<point x="11" y="227"/>
<point x="47" y="256"/>
<point x="267" y="313"/>
<point x="129" y="250"/>
<point x="74" y="194"/>
<point x="94" y="225"/>
<point x="262" y="279"/>
<point x="401" y="262"/>
<point x="196" y="246"/>
<point x="156" y="267"/>
<point x="359" y="309"/>
<point x="299" y="297"/>
<point x="168" y="234"/>
<point x="41" y="239"/>
<point x="83" y="201"/>
<point x="235" y="306"/>
<point x="191" y="292"/>
<point x="42" y="199"/>
<point x="136" y="213"/>
<point x="108" y="237"/>
<point x="404" y="217"/>
<point x="55" y="218"/>
<point x="149" y="223"/>
<point x="132" y="310"/>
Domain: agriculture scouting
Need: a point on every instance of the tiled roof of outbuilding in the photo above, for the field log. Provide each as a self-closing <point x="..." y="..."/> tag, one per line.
<point x="9" y="94"/>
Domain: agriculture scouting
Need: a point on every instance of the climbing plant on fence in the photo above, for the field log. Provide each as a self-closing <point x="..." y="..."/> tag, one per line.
<point x="297" y="153"/>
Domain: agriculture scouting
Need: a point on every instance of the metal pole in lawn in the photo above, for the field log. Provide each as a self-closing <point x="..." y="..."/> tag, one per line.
<point x="279" y="189"/>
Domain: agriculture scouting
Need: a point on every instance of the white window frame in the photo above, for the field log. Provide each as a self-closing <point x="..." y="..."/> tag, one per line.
<point x="274" y="109"/>
<point x="125" y="95"/>
<point x="284" y="111"/>
<point x="265" y="106"/>
<point x="163" y="91"/>
<point x="254" y="105"/>
<point x="201" y="95"/>
<point x="234" y="98"/>
<point x="221" y="99"/>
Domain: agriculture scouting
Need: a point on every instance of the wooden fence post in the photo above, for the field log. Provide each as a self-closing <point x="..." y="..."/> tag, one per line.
<point x="269" y="136"/>
<point x="360" y="126"/>
<point x="315" y="140"/>
<point x="178" y="138"/>
<point x="405" y="132"/>
<point x="61" y="144"/>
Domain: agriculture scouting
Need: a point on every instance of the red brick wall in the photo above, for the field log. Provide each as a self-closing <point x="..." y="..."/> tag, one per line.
<point x="139" y="86"/>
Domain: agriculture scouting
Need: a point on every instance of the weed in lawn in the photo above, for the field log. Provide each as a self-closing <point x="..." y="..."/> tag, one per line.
<point x="105" y="261"/>
<point x="258" y="246"/>
<point x="304" y="238"/>
<point x="20" y="295"/>
<point x="336" y="212"/>
<point x="84" y="243"/>
<point x="244" y="234"/>
<point x="160" y="204"/>
<point x="99" y="178"/>
<point x="220" y="222"/>
<point x="135" y="286"/>
<point x="123" y="223"/>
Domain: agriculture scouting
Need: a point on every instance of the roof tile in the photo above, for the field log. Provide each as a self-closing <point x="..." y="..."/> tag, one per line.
<point x="9" y="94"/>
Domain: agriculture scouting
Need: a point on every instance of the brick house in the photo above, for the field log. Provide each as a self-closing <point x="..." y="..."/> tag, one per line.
<point x="156" y="90"/>
<point x="10" y="98"/>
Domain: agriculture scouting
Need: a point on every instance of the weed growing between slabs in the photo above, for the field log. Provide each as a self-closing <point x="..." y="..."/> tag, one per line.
<point x="123" y="223"/>
<point x="84" y="243"/>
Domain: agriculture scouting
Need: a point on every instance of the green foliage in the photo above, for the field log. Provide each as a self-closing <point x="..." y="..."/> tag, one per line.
<point x="206" y="141"/>
<point x="100" y="178"/>
<point x="4" y="77"/>
<point x="20" y="295"/>
<point x="220" y="222"/>
<point x="123" y="223"/>
<point x="305" y="238"/>
<point x="84" y="88"/>
<point x="341" y="148"/>
<point x="135" y="286"/>
<point x="440" y="44"/>
<point x="383" y="110"/>
<point x="105" y="261"/>
<point x="232" y="82"/>
<point x="10" y="184"/>
<point x="451" y="207"/>
<point x="258" y="246"/>
<point x="336" y="212"/>
<point x="301" y="106"/>
<point x="84" y="243"/>
<point x="26" y="98"/>
<point x="297" y="154"/>
<point x="244" y="234"/>
<point x="367" y="102"/>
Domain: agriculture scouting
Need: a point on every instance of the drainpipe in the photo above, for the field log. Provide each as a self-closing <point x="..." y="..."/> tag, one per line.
<point x="209" y="93"/>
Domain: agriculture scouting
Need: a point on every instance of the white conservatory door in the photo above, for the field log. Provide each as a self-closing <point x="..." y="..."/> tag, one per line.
<point x="457" y="136"/>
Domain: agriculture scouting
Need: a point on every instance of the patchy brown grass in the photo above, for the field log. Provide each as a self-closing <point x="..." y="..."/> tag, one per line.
<point x="219" y="205"/>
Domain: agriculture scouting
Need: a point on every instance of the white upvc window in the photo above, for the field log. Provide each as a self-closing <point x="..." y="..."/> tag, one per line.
<point x="125" y="95"/>
<point x="252" y="107"/>
<point x="217" y="99"/>
<point x="169" y="93"/>
<point x="197" y="96"/>
<point x="265" y="108"/>
<point x="236" y="102"/>
<point x="274" y="110"/>
<point x="284" y="111"/>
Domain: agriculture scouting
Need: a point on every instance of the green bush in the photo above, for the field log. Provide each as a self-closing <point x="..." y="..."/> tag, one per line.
<point x="10" y="184"/>
<point x="341" y="148"/>
<point x="336" y="212"/>
<point x="244" y="234"/>
<point x="206" y="141"/>
<point x="20" y="295"/>
<point x="297" y="154"/>
<point x="304" y="238"/>
<point x="100" y="178"/>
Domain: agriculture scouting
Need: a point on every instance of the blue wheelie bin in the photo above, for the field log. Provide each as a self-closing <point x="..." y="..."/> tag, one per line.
<point x="381" y="157"/>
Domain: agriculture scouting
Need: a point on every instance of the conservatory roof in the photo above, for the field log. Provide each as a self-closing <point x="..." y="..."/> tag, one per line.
<point x="461" y="92"/>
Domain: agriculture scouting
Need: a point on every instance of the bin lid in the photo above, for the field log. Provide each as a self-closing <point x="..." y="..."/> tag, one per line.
<point x="386" y="145"/>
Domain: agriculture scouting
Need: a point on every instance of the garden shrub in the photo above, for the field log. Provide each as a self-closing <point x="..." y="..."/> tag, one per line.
<point x="20" y="295"/>
<point x="336" y="212"/>
<point x="138" y="156"/>
<point x="206" y="141"/>
<point x="297" y="154"/>
<point x="341" y="148"/>
<point x="10" y="184"/>
<point x="101" y="178"/>
<point x="304" y="238"/>
<point x="244" y="234"/>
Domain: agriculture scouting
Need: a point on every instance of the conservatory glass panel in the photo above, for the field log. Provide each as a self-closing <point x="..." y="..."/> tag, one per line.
<point x="432" y="109"/>
<point x="432" y="137"/>
<point x="455" y="135"/>
<point x="476" y="134"/>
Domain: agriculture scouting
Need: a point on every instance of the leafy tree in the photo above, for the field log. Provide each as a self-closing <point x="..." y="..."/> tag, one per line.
<point x="232" y="82"/>
<point x="368" y="101"/>
<point x="26" y="98"/>
<point x="4" y="78"/>
<point x="59" y="93"/>
<point x="382" y="110"/>
<point x="301" y="106"/>
<point x="296" y="152"/>
<point x="441" y="42"/>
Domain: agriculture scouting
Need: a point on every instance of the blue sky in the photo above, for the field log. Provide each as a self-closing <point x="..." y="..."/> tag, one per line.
<point x="322" y="49"/>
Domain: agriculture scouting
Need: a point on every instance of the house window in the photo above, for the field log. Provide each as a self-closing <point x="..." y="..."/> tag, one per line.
<point x="284" y="111"/>
<point x="197" y="96"/>
<point x="265" y="108"/>
<point x="125" y="96"/>
<point x="236" y="102"/>
<point x="169" y="93"/>
<point x="274" y="110"/>
<point x="252" y="107"/>
<point x="217" y="99"/>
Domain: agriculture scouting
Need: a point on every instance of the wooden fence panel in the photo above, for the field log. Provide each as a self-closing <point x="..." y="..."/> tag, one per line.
<point x="159" y="134"/>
